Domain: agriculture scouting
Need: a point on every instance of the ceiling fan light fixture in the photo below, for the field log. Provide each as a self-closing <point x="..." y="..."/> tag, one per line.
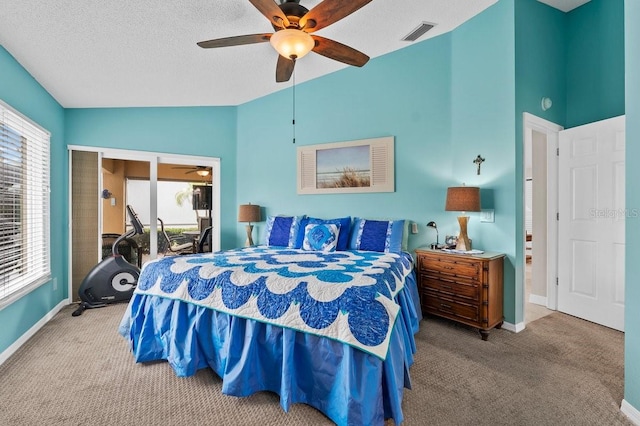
<point x="203" y="172"/>
<point x="292" y="43"/>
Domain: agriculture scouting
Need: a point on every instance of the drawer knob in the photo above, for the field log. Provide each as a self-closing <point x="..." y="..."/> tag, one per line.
<point x="444" y="305"/>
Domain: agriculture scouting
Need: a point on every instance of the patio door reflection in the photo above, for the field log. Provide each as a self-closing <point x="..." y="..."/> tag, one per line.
<point x="104" y="181"/>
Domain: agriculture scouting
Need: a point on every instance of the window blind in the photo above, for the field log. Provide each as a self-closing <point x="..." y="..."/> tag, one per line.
<point x="24" y="204"/>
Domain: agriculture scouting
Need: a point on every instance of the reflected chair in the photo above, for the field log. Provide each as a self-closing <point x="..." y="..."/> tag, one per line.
<point x="204" y="240"/>
<point x="175" y="245"/>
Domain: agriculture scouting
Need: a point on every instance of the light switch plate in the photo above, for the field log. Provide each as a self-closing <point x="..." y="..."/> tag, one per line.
<point x="487" y="215"/>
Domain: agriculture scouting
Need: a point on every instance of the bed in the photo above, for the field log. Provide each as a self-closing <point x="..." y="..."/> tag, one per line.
<point x="330" y="328"/>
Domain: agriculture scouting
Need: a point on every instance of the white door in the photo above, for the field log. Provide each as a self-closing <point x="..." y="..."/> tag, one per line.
<point x="591" y="222"/>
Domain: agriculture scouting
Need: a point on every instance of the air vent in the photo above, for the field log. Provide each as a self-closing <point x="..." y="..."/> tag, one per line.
<point x="419" y="31"/>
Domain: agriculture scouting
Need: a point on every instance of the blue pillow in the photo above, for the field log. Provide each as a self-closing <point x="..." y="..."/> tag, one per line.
<point x="282" y="231"/>
<point x="321" y="237"/>
<point x="377" y="235"/>
<point x="343" y="223"/>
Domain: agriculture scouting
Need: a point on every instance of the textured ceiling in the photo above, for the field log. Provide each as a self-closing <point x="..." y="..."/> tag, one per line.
<point x="118" y="53"/>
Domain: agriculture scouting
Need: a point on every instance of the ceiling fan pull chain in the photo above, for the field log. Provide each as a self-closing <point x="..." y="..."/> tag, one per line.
<point x="293" y="121"/>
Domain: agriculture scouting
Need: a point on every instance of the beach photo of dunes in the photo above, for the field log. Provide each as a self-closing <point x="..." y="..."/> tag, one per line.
<point x="347" y="167"/>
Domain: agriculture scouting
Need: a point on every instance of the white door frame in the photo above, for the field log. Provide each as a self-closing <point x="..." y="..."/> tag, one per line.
<point x="551" y="130"/>
<point x="153" y="158"/>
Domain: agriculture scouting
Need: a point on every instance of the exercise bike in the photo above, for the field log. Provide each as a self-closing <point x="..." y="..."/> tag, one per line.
<point x="114" y="279"/>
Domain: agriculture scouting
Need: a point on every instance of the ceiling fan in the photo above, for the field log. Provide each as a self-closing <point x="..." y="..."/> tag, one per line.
<point x="200" y="170"/>
<point x="293" y="24"/>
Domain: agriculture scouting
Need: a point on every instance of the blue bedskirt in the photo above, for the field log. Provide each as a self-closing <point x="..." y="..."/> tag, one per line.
<point x="349" y="386"/>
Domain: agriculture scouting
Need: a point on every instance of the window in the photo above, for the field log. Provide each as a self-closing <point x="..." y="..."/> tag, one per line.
<point x="24" y="205"/>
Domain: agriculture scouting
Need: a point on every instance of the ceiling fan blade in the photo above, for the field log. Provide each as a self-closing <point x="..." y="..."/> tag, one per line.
<point x="284" y="69"/>
<point x="235" y="41"/>
<point x="339" y="52"/>
<point x="272" y="12"/>
<point x="328" y="12"/>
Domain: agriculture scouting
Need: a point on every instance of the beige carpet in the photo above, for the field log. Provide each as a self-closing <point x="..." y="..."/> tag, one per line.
<point x="559" y="371"/>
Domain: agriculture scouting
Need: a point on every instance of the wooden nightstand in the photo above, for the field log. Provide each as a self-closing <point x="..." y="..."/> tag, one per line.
<point x="461" y="287"/>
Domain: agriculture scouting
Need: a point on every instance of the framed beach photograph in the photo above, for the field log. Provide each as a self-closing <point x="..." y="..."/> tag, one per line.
<point x="365" y="165"/>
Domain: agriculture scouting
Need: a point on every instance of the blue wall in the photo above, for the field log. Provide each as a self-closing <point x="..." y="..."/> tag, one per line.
<point x="595" y="62"/>
<point x="483" y="100"/>
<point x="404" y="94"/>
<point x="20" y="90"/>
<point x="540" y="67"/>
<point x="205" y="131"/>
<point x="560" y="56"/>
<point x="632" y="267"/>
<point x="440" y="99"/>
<point x="541" y="61"/>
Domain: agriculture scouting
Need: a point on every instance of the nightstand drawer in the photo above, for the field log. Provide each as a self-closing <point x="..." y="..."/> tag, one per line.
<point x="452" y="266"/>
<point x="438" y="305"/>
<point x="450" y="286"/>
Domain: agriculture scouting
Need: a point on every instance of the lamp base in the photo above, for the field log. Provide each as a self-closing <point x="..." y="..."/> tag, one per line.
<point x="249" y="241"/>
<point x="464" y="243"/>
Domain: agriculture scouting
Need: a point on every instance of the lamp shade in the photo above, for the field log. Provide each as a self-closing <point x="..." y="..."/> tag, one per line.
<point x="463" y="199"/>
<point x="249" y="213"/>
<point x="292" y="43"/>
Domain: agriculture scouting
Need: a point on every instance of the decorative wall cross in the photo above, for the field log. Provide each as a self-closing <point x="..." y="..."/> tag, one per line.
<point x="479" y="160"/>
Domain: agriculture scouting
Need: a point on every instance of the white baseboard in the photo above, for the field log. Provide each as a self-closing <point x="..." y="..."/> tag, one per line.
<point x="515" y="328"/>
<point x="29" y="333"/>
<point x="631" y="412"/>
<point x="538" y="300"/>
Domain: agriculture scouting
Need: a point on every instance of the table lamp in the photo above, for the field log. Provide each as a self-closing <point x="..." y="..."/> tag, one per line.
<point x="249" y="213"/>
<point x="463" y="199"/>
<point x="433" y="225"/>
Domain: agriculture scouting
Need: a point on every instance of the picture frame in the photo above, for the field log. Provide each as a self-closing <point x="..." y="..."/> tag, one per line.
<point x="451" y="240"/>
<point x="365" y="165"/>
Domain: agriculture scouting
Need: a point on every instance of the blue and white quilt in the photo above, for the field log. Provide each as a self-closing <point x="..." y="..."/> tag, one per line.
<point x="343" y="295"/>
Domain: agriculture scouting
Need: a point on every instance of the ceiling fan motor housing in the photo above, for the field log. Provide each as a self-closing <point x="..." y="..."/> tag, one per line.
<point x="293" y="10"/>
